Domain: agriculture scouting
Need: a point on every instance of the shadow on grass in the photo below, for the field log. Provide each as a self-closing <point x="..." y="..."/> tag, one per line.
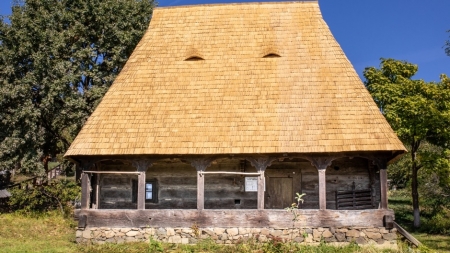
<point x="436" y="242"/>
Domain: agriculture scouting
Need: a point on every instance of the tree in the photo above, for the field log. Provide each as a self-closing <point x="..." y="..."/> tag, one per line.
<point x="57" y="60"/>
<point x="447" y="46"/>
<point x="418" y="112"/>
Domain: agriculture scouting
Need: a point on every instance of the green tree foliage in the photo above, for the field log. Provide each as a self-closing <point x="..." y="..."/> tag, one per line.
<point x="447" y="46"/>
<point x="419" y="112"/>
<point x="57" y="60"/>
<point x="57" y="195"/>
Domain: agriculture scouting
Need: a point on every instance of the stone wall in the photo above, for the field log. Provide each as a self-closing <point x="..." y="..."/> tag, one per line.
<point x="376" y="236"/>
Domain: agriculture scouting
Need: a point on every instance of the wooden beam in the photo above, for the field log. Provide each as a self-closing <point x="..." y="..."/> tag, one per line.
<point x="141" y="166"/>
<point x="200" y="164"/>
<point x="200" y="191"/>
<point x="261" y="163"/>
<point x="322" y="189"/>
<point x="383" y="188"/>
<point x="261" y="186"/>
<point x="321" y="163"/>
<point x="85" y="191"/>
<point x="141" y="191"/>
<point x="233" y="218"/>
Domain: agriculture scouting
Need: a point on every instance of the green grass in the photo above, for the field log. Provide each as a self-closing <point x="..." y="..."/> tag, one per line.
<point x="46" y="233"/>
<point x="50" y="232"/>
<point x="400" y="202"/>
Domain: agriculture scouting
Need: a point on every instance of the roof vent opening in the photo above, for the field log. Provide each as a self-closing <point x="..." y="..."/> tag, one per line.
<point x="194" y="58"/>
<point x="271" y="55"/>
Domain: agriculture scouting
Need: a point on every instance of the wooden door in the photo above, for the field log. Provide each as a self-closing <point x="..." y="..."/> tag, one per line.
<point x="279" y="193"/>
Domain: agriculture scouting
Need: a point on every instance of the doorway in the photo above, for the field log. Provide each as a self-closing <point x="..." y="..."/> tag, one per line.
<point x="279" y="193"/>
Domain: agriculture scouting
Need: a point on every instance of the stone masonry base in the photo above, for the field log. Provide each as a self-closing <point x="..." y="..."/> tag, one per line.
<point x="379" y="237"/>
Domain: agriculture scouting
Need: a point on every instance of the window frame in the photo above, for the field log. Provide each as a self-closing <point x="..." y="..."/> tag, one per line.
<point x="154" y="198"/>
<point x="155" y="188"/>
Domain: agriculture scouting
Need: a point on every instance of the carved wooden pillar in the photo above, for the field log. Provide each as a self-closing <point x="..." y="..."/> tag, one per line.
<point x="261" y="163"/>
<point x="321" y="163"/>
<point x="85" y="190"/>
<point x="85" y="184"/>
<point x="381" y="163"/>
<point x="141" y="166"/>
<point x="200" y="164"/>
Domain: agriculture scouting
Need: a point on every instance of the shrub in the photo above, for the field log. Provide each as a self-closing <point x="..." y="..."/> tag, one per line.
<point x="57" y="195"/>
<point x="439" y="223"/>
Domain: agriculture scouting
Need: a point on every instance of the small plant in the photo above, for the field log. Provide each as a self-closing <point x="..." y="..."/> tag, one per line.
<point x="155" y="246"/>
<point x="295" y="206"/>
<point x="196" y="229"/>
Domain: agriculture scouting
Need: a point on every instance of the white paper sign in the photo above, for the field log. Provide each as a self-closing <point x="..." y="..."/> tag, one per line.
<point x="251" y="184"/>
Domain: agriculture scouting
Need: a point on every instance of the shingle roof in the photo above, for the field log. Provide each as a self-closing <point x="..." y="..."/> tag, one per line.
<point x="235" y="100"/>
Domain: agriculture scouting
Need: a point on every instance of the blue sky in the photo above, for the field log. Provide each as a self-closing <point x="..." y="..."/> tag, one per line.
<point x="411" y="30"/>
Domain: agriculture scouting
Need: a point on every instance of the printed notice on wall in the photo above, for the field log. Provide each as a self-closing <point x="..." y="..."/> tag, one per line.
<point x="251" y="184"/>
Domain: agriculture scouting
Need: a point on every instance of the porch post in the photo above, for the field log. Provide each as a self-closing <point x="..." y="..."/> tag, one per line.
<point x="322" y="189"/>
<point x="261" y="185"/>
<point x="85" y="183"/>
<point x="383" y="188"/>
<point x="141" y="166"/>
<point x="261" y="163"/>
<point x="321" y="163"/>
<point x="381" y="163"/>
<point x="85" y="191"/>
<point x="200" y="190"/>
<point x="200" y="164"/>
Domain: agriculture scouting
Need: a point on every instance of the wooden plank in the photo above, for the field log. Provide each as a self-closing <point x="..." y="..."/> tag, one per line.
<point x="322" y="190"/>
<point x="141" y="191"/>
<point x="200" y="191"/>
<point x="407" y="235"/>
<point x="383" y="188"/>
<point x="85" y="191"/>
<point x="233" y="218"/>
<point x="261" y="182"/>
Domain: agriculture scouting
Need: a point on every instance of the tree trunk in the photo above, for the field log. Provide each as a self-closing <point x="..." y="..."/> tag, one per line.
<point x="414" y="187"/>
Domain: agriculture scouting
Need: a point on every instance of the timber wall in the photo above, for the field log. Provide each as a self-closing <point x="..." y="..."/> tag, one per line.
<point x="177" y="184"/>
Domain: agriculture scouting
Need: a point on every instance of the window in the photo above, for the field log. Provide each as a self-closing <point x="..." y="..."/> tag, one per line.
<point x="151" y="191"/>
<point x="194" y="58"/>
<point x="271" y="55"/>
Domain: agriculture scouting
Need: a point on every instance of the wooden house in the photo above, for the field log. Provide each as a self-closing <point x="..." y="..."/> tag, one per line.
<point x="220" y="116"/>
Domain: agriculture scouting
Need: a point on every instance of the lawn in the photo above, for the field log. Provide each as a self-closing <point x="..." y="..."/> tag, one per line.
<point x="50" y="232"/>
<point x="400" y="201"/>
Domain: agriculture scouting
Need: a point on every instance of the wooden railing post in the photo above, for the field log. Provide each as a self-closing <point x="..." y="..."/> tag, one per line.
<point x="200" y="190"/>
<point x="200" y="164"/>
<point x="261" y="164"/>
<point x="85" y="183"/>
<point x="85" y="191"/>
<point x="381" y="162"/>
<point x="322" y="189"/>
<point x="321" y="163"/>
<point x="383" y="188"/>
<point x="141" y="166"/>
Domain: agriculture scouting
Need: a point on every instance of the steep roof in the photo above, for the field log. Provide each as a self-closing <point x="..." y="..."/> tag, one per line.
<point x="199" y="83"/>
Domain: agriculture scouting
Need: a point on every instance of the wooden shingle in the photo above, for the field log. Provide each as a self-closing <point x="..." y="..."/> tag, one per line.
<point x="234" y="100"/>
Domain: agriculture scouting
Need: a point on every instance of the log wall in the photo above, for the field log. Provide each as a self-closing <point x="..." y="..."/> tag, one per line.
<point x="177" y="183"/>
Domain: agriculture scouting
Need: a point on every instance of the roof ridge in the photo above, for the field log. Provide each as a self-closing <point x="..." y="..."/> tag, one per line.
<point x="237" y="3"/>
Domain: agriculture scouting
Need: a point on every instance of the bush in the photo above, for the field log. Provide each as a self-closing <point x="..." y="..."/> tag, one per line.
<point x="57" y="195"/>
<point x="439" y="223"/>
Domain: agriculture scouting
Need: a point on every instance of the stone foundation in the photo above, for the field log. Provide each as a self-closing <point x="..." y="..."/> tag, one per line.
<point x="375" y="236"/>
